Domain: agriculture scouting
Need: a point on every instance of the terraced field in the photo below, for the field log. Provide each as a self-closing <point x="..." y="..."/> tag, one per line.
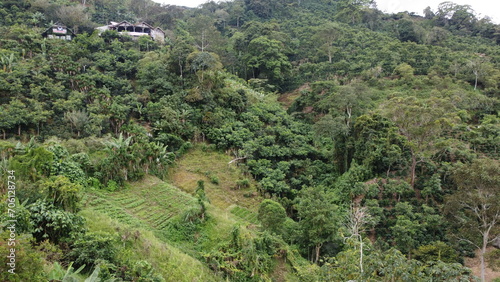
<point x="245" y="214"/>
<point x="148" y="207"/>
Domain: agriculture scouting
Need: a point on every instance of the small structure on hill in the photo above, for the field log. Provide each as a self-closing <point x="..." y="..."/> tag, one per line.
<point x="135" y="30"/>
<point x="59" y="31"/>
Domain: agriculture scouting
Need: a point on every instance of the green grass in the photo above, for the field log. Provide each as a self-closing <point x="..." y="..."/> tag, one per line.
<point x="153" y="205"/>
<point x="150" y="208"/>
<point x="204" y="164"/>
<point x="170" y="262"/>
<point x="245" y="214"/>
<point x="154" y="209"/>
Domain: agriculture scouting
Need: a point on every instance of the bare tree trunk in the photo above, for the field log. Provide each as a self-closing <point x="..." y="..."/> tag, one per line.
<point x="361" y="253"/>
<point x="481" y="255"/>
<point x="483" y="250"/>
<point x="413" y="170"/>
<point x="475" y="83"/>
<point x="318" y="249"/>
<point x="180" y="66"/>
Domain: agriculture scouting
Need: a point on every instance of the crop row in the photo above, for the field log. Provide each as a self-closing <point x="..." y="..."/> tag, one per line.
<point x="245" y="214"/>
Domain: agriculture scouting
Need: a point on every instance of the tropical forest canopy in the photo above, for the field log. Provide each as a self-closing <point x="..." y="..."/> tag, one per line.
<point x="365" y="146"/>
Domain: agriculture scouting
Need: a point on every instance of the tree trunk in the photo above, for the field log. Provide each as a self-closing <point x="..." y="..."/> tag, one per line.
<point x="481" y="255"/>
<point x="475" y="82"/>
<point x="19" y="130"/>
<point x="361" y="254"/>
<point x="483" y="250"/>
<point x="414" y="175"/>
<point x="180" y="66"/>
<point x="413" y="169"/>
<point x="318" y="248"/>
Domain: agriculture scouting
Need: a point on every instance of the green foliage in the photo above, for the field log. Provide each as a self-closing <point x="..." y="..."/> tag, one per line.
<point x="390" y="265"/>
<point x="319" y="219"/>
<point x="473" y="207"/>
<point x="91" y="247"/>
<point x="245" y="257"/>
<point x="214" y="179"/>
<point x="60" y="274"/>
<point x="437" y="251"/>
<point x="145" y="271"/>
<point x="129" y="159"/>
<point x="61" y="193"/>
<point x="22" y="214"/>
<point x="28" y="261"/>
<point x="53" y="224"/>
<point x="266" y="60"/>
<point x="112" y="186"/>
<point x="385" y="108"/>
<point x="32" y="165"/>
<point x="493" y="258"/>
<point x="272" y="216"/>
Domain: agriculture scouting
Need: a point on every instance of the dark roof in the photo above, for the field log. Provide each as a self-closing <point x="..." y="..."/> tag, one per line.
<point x="58" y="26"/>
<point x="126" y="23"/>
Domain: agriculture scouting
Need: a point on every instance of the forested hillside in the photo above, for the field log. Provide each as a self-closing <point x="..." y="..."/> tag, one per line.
<point x="262" y="140"/>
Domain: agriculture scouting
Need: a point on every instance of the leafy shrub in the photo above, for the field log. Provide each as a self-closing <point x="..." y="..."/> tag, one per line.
<point x="94" y="183"/>
<point x="31" y="166"/>
<point x="184" y="148"/>
<point x="94" y="246"/>
<point x="62" y="193"/>
<point x="145" y="272"/>
<point x="58" y="273"/>
<point x="29" y="261"/>
<point x="112" y="186"/>
<point x="214" y="179"/>
<point x="54" y="224"/>
<point x="436" y="251"/>
<point x="272" y="216"/>
<point x="23" y="223"/>
<point x="243" y="183"/>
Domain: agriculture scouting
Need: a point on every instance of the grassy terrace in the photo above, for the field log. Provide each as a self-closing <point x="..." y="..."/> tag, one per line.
<point x="149" y="204"/>
<point x="220" y="177"/>
<point x="155" y="209"/>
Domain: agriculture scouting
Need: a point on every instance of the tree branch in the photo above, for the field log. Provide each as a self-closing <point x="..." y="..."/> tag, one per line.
<point x="237" y="159"/>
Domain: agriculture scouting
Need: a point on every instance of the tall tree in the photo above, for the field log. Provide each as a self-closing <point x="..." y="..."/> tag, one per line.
<point x="326" y="37"/>
<point x="475" y="206"/>
<point x="319" y="218"/>
<point x="356" y="222"/>
<point x="421" y="122"/>
<point x="272" y="216"/>
<point x="267" y="59"/>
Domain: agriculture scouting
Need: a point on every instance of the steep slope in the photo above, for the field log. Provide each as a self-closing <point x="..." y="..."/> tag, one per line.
<point x="227" y="186"/>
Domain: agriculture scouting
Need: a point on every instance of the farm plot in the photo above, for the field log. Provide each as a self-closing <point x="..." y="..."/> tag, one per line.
<point x="245" y="214"/>
<point x="150" y="207"/>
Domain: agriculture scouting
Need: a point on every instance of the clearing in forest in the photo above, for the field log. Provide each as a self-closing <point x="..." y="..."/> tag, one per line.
<point x="227" y="186"/>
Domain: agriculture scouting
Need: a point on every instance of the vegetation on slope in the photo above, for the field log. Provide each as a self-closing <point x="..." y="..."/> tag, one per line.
<point x="389" y="120"/>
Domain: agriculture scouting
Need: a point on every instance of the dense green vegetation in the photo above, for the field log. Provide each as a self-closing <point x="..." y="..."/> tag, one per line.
<point x="314" y="140"/>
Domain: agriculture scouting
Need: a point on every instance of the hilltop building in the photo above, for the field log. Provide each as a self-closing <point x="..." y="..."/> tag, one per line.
<point x="135" y="30"/>
<point x="59" y="31"/>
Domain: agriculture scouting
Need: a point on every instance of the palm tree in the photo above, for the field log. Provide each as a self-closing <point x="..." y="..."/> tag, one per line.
<point x="77" y="119"/>
<point x="7" y="62"/>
